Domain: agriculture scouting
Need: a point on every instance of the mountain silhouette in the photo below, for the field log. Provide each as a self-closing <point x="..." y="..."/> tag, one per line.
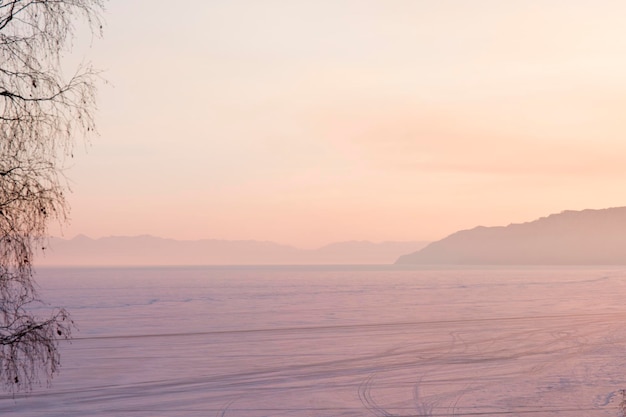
<point x="149" y="250"/>
<point x="587" y="237"/>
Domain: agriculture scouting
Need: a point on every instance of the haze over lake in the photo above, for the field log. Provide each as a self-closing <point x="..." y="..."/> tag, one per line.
<point x="255" y="132"/>
<point x="336" y="341"/>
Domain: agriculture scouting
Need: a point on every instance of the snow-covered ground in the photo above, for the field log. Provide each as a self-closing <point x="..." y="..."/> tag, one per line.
<point x="336" y="342"/>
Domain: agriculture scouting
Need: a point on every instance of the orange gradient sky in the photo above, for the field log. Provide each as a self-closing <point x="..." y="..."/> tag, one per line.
<point x="306" y="122"/>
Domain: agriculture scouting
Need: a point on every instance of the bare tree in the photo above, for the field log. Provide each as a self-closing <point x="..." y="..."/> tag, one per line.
<point x="41" y="112"/>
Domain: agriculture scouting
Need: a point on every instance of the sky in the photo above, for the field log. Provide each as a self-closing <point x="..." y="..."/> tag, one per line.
<point x="307" y="122"/>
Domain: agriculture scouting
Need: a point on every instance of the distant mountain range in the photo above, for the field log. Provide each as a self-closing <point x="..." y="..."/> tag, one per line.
<point x="587" y="237"/>
<point x="150" y="250"/>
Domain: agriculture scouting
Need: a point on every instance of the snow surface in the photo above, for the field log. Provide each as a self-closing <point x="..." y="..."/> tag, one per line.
<point x="297" y="341"/>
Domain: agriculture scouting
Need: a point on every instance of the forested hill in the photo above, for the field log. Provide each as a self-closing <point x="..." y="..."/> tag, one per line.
<point x="587" y="237"/>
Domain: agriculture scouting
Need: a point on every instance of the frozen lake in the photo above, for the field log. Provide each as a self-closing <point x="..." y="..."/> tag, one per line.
<point x="316" y="341"/>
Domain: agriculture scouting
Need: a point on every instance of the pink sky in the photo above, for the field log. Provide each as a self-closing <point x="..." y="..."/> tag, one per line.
<point x="307" y="122"/>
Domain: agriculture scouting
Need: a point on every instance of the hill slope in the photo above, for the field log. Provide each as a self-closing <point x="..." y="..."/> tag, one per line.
<point x="587" y="237"/>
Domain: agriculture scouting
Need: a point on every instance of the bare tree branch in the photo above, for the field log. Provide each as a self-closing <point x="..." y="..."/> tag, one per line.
<point x="41" y="113"/>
